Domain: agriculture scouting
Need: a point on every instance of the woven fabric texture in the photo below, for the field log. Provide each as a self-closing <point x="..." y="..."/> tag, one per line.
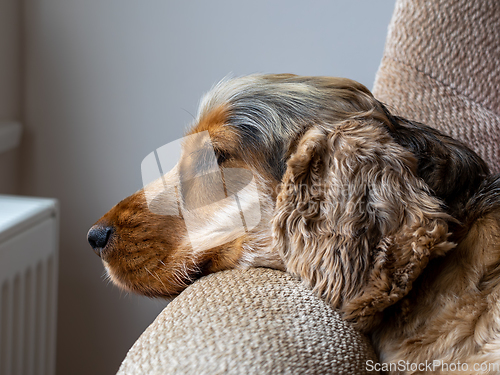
<point x="441" y="67"/>
<point x="256" y="321"/>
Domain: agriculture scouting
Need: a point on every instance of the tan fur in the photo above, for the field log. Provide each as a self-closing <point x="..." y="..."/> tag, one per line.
<point x="384" y="218"/>
<point x="455" y="314"/>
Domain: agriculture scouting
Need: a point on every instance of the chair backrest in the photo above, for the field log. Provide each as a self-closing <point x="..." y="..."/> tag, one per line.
<point x="441" y="66"/>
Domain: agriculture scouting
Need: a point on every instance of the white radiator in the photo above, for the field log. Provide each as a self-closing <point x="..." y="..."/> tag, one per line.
<point x="28" y="285"/>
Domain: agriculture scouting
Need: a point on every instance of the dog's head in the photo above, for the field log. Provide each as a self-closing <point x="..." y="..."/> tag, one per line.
<point x="346" y="195"/>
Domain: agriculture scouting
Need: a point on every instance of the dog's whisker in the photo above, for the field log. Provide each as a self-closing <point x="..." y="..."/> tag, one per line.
<point x="155" y="275"/>
<point x="189" y="113"/>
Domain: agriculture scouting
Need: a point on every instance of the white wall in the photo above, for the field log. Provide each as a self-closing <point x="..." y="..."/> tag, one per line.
<point x="108" y="81"/>
<point x="10" y="87"/>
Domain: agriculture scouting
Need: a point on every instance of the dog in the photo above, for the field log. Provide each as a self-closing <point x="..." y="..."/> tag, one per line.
<point x="388" y="220"/>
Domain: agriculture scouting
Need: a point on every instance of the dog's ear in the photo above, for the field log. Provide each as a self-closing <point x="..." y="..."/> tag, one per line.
<point x="354" y="222"/>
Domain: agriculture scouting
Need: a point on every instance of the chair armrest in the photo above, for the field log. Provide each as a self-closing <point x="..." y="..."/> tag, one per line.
<point x="255" y="321"/>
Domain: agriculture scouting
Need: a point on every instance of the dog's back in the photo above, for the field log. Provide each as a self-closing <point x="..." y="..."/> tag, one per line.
<point x="452" y="313"/>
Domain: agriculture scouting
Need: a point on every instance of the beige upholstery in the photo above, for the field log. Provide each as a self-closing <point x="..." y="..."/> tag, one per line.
<point x="441" y="66"/>
<point x="258" y="321"/>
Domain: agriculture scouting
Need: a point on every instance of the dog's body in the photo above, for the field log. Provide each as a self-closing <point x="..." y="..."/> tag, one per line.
<point x="452" y="313"/>
<point x="391" y="222"/>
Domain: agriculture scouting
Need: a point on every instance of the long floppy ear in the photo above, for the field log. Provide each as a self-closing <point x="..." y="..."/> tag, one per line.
<point x="354" y="222"/>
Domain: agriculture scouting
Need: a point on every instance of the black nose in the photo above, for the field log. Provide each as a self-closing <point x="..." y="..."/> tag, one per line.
<point x="98" y="237"/>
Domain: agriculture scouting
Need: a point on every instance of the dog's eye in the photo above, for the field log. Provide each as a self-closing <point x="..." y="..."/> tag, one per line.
<point x="222" y="156"/>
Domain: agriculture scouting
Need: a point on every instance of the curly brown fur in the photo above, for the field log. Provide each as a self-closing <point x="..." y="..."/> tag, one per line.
<point x="376" y="216"/>
<point x="388" y="220"/>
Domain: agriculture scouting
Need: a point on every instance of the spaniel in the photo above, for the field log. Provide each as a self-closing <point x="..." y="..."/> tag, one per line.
<point x="388" y="220"/>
